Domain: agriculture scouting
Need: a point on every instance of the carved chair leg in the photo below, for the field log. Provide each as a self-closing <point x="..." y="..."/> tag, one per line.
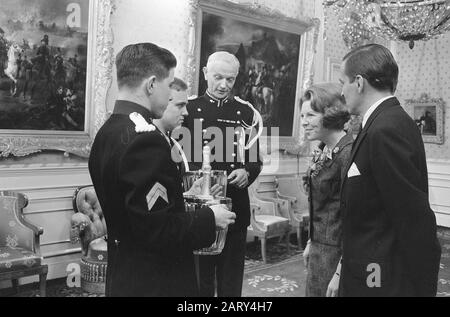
<point x="15" y="285"/>
<point x="299" y="238"/>
<point x="263" y="250"/>
<point x="42" y="283"/>
<point x="288" y="245"/>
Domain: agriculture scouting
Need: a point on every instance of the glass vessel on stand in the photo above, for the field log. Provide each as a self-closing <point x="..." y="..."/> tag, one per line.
<point x="197" y="186"/>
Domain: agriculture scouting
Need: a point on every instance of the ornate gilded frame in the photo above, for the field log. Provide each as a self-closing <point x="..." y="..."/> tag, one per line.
<point x="98" y="81"/>
<point x="415" y="106"/>
<point x="255" y="13"/>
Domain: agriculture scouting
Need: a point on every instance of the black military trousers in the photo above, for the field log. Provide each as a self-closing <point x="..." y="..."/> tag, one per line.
<point x="225" y="270"/>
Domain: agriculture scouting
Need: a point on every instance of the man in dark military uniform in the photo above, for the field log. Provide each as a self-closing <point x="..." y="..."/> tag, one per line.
<point x="173" y="118"/>
<point x="150" y="236"/>
<point x="226" y="124"/>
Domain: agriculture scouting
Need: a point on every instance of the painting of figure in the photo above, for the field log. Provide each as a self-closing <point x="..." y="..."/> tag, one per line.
<point x="269" y="65"/>
<point x="43" y="61"/>
<point x="425" y="117"/>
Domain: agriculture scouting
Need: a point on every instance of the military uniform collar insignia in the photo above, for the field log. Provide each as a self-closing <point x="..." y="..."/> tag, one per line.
<point x="141" y="125"/>
<point x="219" y="102"/>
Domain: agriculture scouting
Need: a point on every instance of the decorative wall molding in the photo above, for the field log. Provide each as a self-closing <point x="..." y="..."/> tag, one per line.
<point x="438" y="177"/>
<point x="439" y="186"/>
<point x="261" y="14"/>
<point x="104" y="60"/>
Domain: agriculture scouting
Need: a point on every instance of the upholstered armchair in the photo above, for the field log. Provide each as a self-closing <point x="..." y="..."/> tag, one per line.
<point x="19" y="242"/>
<point x="291" y="189"/>
<point x="88" y="227"/>
<point x="266" y="221"/>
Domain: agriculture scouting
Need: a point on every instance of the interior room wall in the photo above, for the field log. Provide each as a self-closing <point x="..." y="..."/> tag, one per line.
<point x="334" y="46"/>
<point x="411" y="85"/>
<point x="50" y="178"/>
<point x="170" y="31"/>
<point x="425" y="70"/>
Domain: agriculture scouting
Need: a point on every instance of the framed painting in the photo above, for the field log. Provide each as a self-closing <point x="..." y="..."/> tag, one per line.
<point x="54" y="54"/>
<point x="275" y="54"/>
<point x="428" y="113"/>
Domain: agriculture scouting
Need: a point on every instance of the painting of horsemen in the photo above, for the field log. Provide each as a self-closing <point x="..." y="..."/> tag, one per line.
<point x="43" y="59"/>
<point x="268" y="59"/>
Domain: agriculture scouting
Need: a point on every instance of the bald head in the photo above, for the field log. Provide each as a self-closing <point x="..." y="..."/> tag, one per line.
<point x="220" y="73"/>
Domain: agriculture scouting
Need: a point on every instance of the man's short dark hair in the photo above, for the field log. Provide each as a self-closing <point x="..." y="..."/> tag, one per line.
<point x="178" y="84"/>
<point x="136" y="62"/>
<point x="375" y="63"/>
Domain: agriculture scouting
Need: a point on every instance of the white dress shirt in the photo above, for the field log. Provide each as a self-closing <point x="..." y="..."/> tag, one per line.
<point x="372" y="109"/>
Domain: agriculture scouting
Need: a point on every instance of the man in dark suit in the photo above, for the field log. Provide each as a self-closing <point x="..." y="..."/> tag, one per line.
<point x="150" y="236"/>
<point x="226" y="124"/>
<point x="390" y="247"/>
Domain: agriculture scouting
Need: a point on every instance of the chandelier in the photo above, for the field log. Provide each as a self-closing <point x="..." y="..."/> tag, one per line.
<point x="400" y="20"/>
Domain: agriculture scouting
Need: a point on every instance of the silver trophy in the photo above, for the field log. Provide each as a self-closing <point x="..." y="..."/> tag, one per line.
<point x="202" y="180"/>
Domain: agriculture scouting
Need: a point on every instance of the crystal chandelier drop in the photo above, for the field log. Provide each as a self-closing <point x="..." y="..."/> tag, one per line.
<point x="352" y="22"/>
<point x="400" y="20"/>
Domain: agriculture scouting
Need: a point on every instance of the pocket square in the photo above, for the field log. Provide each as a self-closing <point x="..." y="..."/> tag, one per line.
<point x="353" y="171"/>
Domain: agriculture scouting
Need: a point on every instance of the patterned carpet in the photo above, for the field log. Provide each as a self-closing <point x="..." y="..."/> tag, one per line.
<point x="282" y="279"/>
<point x="276" y="253"/>
<point x="284" y="274"/>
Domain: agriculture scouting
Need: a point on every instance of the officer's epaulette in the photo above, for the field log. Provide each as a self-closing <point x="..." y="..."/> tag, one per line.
<point x="141" y="125"/>
<point x="192" y="97"/>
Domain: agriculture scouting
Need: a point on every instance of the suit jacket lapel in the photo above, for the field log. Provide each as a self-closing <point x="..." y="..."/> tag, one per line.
<point x="384" y="105"/>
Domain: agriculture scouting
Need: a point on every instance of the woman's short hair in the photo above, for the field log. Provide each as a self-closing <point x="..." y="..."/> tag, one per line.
<point x="326" y="98"/>
<point x="136" y="62"/>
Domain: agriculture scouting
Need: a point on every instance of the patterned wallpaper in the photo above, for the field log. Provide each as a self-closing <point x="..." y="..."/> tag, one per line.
<point x="424" y="71"/>
<point x="411" y="83"/>
<point x="335" y="47"/>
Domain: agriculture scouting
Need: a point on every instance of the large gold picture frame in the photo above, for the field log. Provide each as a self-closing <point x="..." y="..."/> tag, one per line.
<point x="99" y="63"/>
<point x="257" y="15"/>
